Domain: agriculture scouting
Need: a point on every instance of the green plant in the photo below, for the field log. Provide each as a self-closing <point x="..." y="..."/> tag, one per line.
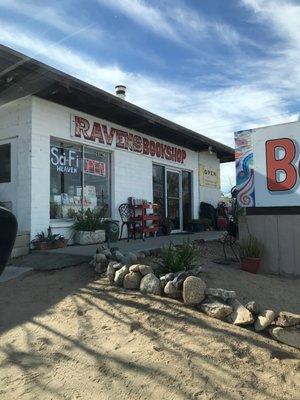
<point x="48" y="238"/>
<point x="251" y="247"/>
<point x="88" y="221"/>
<point x="179" y="258"/>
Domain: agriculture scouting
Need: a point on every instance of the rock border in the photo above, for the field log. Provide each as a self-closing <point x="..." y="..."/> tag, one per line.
<point x="123" y="270"/>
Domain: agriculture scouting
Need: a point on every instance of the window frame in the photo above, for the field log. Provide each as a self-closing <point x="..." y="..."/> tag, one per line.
<point x="9" y="179"/>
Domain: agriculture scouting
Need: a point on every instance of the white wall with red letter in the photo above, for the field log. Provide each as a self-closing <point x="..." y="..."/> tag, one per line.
<point x="276" y="156"/>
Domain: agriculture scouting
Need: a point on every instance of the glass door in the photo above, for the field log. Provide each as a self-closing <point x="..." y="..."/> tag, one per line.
<point x="186" y="199"/>
<point x="173" y="198"/>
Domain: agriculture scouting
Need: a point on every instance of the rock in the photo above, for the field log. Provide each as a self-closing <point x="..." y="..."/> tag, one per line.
<point x="100" y="258"/>
<point x="118" y="255"/>
<point x="132" y="280"/>
<point x="289" y="336"/>
<point x="120" y="274"/>
<point x="221" y="293"/>
<point x="100" y="268"/>
<point x="166" y="278"/>
<point x="264" y="319"/>
<point x="286" y="319"/>
<point x="143" y="269"/>
<point x="171" y="291"/>
<point x="253" y="307"/>
<point x="215" y="308"/>
<point x="150" y="284"/>
<point x="113" y="266"/>
<point x="129" y="258"/>
<point x="240" y="314"/>
<point x="140" y="255"/>
<point x="101" y="248"/>
<point x="114" y="249"/>
<point x="107" y="253"/>
<point x="193" y="290"/>
<point x="180" y="278"/>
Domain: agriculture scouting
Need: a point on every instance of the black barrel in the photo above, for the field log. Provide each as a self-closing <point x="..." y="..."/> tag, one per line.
<point x="8" y="233"/>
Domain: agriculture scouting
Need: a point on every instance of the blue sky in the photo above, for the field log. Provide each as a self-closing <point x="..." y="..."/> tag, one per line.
<point x="215" y="66"/>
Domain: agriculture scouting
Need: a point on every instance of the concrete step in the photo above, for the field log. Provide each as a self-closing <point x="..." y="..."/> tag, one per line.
<point x="21" y="247"/>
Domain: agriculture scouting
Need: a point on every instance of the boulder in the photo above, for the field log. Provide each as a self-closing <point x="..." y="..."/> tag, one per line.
<point x="221" y="293"/>
<point x="289" y="336"/>
<point x="107" y="253"/>
<point x="120" y="274"/>
<point x="264" y="319"/>
<point x="129" y="258"/>
<point x="193" y="290"/>
<point x="164" y="279"/>
<point x="171" y="291"/>
<point x="286" y="319"/>
<point x="253" y="307"/>
<point x="215" y="308"/>
<point x="141" y="255"/>
<point x="150" y="284"/>
<point x="101" y="248"/>
<point x="100" y="268"/>
<point x="143" y="269"/>
<point x="113" y="266"/>
<point x="132" y="280"/>
<point x="118" y="255"/>
<point x="240" y="314"/>
<point x="100" y="258"/>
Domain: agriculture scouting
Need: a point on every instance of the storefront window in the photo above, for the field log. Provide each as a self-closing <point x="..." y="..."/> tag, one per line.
<point x="79" y="179"/>
<point x="96" y="181"/>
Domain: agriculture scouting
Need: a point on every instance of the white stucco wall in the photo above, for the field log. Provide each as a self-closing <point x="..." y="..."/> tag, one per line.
<point x="15" y="128"/>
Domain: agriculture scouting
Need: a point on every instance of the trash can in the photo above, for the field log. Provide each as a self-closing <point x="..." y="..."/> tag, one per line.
<point x="112" y="230"/>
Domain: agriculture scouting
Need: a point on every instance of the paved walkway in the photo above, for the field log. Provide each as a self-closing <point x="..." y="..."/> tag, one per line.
<point x="139" y="245"/>
<point x="75" y="255"/>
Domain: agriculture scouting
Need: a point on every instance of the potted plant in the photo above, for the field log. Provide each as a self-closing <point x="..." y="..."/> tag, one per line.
<point x="167" y="226"/>
<point x="49" y="241"/>
<point x="88" y="227"/>
<point x="54" y="210"/>
<point x="251" y="251"/>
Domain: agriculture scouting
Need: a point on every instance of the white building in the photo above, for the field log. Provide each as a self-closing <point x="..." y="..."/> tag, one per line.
<point x="66" y="144"/>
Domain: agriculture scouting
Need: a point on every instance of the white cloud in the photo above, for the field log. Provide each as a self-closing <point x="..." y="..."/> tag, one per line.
<point x="144" y="15"/>
<point x="52" y="16"/>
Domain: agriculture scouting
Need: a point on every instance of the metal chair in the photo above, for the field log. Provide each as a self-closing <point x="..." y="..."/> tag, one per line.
<point x="8" y="233"/>
<point x="127" y="216"/>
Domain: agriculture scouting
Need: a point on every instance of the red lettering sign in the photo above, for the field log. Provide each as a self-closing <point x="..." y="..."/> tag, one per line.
<point x="94" y="167"/>
<point x="277" y="164"/>
<point x="126" y="140"/>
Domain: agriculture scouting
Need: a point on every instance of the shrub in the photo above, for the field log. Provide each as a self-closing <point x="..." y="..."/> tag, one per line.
<point x="87" y="220"/>
<point x="179" y="258"/>
<point x="251" y="247"/>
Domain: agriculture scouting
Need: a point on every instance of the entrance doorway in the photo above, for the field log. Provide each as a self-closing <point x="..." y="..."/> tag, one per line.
<point x="172" y="190"/>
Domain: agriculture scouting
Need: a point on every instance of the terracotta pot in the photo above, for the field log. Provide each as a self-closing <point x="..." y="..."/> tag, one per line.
<point x="60" y="244"/>
<point x="42" y="246"/>
<point x="251" y="264"/>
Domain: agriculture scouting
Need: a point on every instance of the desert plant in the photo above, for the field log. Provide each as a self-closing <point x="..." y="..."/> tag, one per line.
<point x="87" y="221"/>
<point x="48" y="238"/>
<point x="179" y="258"/>
<point x="251" y="247"/>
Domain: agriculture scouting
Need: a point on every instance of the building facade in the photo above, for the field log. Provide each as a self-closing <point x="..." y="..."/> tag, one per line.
<point x="60" y="156"/>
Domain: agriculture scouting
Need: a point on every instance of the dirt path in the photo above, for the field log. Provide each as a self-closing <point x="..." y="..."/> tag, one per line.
<point x="67" y="335"/>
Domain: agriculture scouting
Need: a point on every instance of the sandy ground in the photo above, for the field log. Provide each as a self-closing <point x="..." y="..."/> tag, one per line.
<point x="70" y="335"/>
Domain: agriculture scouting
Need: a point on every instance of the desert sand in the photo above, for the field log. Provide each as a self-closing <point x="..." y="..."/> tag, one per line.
<point x="69" y="334"/>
